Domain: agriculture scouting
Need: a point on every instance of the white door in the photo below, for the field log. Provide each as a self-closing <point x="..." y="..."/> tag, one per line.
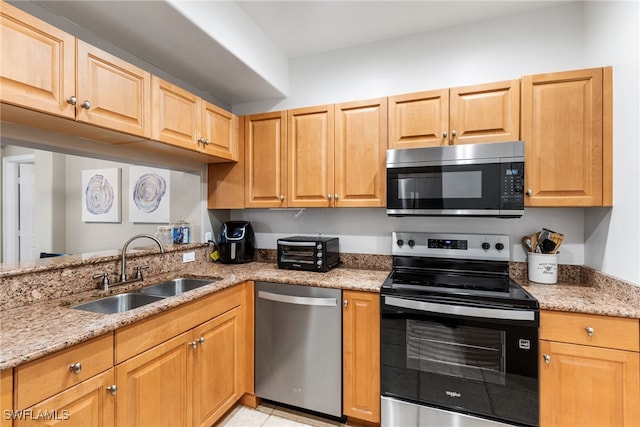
<point x="27" y="225"/>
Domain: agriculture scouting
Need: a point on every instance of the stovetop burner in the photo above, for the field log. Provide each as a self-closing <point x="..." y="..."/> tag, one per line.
<point x="466" y="268"/>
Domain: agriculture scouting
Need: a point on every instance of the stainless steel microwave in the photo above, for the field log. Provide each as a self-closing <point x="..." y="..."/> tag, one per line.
<point x="457" y="180"/>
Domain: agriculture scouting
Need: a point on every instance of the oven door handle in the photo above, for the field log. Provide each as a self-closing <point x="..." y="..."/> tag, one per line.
<point x="291" y="299"/>
<point x="461" y="310"/>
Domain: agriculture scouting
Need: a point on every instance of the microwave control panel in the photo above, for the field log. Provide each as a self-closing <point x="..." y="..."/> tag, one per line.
<point x="512" y="185"/>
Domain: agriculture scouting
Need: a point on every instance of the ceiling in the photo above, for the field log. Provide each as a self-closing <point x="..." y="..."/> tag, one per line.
<point x="238" y="52"/>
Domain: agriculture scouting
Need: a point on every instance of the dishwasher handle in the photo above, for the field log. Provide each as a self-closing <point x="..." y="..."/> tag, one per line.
<point x="291" y="299"/>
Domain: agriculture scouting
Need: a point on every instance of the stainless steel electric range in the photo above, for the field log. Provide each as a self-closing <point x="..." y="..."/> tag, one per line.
<point x="459" y="338"/>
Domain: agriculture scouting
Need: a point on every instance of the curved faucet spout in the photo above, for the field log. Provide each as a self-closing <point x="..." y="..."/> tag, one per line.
<point x="123" y="270"/>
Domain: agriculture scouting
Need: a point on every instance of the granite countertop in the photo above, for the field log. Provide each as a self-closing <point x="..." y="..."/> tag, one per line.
<point x="38" y="329"/>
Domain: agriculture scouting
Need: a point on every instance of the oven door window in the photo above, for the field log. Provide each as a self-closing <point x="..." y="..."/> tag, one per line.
<point x="462" y="351"/>
<point x="444" y="187"/>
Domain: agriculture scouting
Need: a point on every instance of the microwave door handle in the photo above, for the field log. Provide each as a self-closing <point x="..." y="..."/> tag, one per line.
<point x="291" y="299"/>
<point x="485" y="313"/>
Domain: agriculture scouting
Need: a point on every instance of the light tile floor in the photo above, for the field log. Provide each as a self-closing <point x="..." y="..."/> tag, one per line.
<point x="270" y="415"/>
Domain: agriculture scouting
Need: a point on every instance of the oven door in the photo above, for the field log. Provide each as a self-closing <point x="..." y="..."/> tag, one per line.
<point x="477" y="360"/>
<point x="487" y="189"/>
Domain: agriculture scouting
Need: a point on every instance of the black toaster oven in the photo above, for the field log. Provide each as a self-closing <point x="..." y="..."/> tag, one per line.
<point x="308" y="253"/>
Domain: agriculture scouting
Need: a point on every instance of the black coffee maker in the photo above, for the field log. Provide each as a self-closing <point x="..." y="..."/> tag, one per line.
<point x="236" y="242"/>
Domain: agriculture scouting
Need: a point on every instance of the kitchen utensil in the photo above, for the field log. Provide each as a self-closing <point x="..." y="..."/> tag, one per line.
<point x="526" y="243"/>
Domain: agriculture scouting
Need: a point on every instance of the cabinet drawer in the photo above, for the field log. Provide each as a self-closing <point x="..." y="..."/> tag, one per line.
<point x="588" y="329"/>
<point x="45" y="377"/>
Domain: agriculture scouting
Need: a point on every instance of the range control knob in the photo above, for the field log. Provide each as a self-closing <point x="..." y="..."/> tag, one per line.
<point x="400" y="242"/>
<point x="411" y="243"/>
<point x="499" y="246"/>
<point x="486" y="246"/>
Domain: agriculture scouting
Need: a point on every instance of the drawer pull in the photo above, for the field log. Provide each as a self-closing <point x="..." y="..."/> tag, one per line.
<point x="590" y="331"/>
<point x="200" y="340"/>
<point x="113" y="389"/>
<point x="75" y="367"/>
<point x="547" y="359"/>
<point x="193" y="344"/>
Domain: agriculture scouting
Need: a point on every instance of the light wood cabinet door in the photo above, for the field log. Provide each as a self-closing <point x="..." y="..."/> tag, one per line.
<point x="310" y="148"/>
<point x="265" y="153"/>
<point x="152" y="387"/>
<point x="6" y="395"/>
<point x="118" y="93"/>
<point x="361" y="358"/>
<point x="219" y="130"/>
<point x="37" y="69"/>
<point x="588" y="386"/>
<point x="485" y="113"/>
<point x="566" y="126"/>
<point x="225" y="181"/>
<point x="217" y="372"/>
<point x="419" y="119"/>
<point x="86" y="404"/>
<point x="175" y="117"/>
<point x="360" y="154"/>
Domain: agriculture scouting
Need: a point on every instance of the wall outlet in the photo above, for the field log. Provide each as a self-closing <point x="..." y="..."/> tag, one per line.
<point x="188" y="257"/>
<point x="207" y="236"/>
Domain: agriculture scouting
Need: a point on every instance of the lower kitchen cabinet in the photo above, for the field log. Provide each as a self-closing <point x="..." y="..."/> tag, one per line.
<point x="589" y="370"/>
<point x="6" y="396"/>
<point x="194" y="377"/>
<point x="90" y="403"/>
<point x="361" y="355"/>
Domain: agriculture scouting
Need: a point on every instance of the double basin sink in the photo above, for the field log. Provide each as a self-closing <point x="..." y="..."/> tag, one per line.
<point x="130" y="300"/>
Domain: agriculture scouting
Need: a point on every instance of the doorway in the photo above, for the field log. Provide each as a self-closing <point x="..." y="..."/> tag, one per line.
<point x="18" y="202"/>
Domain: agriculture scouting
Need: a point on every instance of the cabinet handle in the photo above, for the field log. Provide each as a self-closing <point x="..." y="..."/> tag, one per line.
<point x="444" y="134"/>
<point x="345" y="303"/>
<point x="113" y="389"/>
<point x="201" y="340"/>
<point x="193" y="344"/>
<point x="282" y="198"/>
<point x="590" y="331"/>
<point x="201" y="140"/>
<point x="75" y="367"/>
<point x="73" y="100"/>
<point x="206" y="141"/>
<point x="86" y="105"/>
<point x="547" y="358"/>
<point x="453" y="133"/>
<point x="328" y="196"/>
<point x="335" y="196"/>
<point x="529" y="192"/>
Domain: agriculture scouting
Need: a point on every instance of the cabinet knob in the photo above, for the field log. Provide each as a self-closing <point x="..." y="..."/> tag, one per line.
<point x="206" y="141"/>
<point x="282" y="198"/>
<point x="193" y="344"/>
<point x="547" y="358"/>
<point x="86" y="105"/>
<point x="328" y="196"/>
<point x="345" y="303"/>
<point x="529" y="192"/>
<point x="444" y="134"/>
<point x="590" y="331"/>
<point x="75" y="367"/>
<point x="335" y="196"/>
<point x="113" y="389"/>
<point x="73" y="100"/>
<point x="453" y="132"/>
<point x="200" y="340"/>
<point x="201" y="140"/>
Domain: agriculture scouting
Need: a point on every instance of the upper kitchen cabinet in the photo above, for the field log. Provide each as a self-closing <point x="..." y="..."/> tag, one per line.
<point x="337" y="155"/>
<point x="567" y="129"/>
<point x="265" y="160"/>
<point x="37" y="70"/>
<point x="464" y="115"/>
<point x="225" y="181"/>
<point x="112" y="93"/>
<point x="360" y="154"/>
<point x="183" y="119"/>
<point x="310" y="153"/>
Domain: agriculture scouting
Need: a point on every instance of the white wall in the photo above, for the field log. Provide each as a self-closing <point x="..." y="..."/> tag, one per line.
<point x="545" y="40"/>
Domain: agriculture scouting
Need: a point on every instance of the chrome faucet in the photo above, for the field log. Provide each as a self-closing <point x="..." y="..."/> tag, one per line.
<point x="123" y="270"/>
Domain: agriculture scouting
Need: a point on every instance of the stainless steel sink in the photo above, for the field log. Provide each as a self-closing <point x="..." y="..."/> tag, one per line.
<point x="175" y="286"/>
<point x="117" y="303"/>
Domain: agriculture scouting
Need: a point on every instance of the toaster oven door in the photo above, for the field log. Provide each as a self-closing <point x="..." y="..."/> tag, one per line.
<point x="297" y="252"/>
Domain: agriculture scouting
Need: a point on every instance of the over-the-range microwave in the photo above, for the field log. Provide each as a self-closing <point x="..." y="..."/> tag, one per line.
<point x="465" y="180"/>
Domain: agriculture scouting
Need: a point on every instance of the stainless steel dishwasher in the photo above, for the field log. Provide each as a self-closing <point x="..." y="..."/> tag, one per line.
<point x="298" y="346"/>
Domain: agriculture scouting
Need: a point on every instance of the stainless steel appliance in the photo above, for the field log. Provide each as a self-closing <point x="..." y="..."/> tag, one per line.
<point x="298" y="346"/>
<point x="468" y="180"/>
<point x="459" y="338"/>
<point x="308" y="253"/>
<point x="236" y="242"/>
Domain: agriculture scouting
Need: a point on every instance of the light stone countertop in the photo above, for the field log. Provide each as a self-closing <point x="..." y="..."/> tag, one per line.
<point x="36" y="330"/>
